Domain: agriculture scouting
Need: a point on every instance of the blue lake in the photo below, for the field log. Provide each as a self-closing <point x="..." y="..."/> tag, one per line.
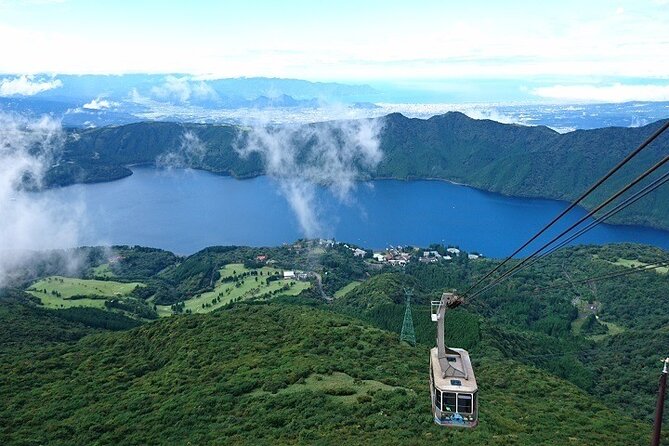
<point x="184" y="211"/>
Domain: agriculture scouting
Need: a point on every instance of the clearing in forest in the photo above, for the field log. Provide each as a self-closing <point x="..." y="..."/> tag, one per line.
<point x="66" y="292"/>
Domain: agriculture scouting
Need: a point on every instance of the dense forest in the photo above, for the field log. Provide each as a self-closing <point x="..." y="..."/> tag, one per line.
<point x="509" y="159"/>
<point x="576" y="364"/>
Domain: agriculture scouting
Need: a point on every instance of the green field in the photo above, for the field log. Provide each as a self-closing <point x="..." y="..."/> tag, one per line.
<point x="636" y="264"/>
<point x="614" y="329"/>
<point x="341" y="386"/>
<point x="57" y="291"/>
<point x="343" y="291"/>
<point x="226" y="292"/>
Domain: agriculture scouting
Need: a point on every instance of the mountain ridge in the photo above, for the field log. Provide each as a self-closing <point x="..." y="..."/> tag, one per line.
<point x="510" y="159"/>
<point x="281" y="368"/>
<point x="275" y="374"/>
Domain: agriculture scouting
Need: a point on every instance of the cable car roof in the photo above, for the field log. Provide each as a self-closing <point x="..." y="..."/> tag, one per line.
<point x="453" y="383"/>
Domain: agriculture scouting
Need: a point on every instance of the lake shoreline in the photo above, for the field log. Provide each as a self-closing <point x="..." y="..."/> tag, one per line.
<point x="612" y="221"/>
<point x="184" y="210"/>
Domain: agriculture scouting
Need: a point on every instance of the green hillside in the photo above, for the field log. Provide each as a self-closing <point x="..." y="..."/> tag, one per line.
<point x="509" y="159"/>
<point x="523" y="161"/>
<point x="250" y="374"/>
<point x="285" y="366"/>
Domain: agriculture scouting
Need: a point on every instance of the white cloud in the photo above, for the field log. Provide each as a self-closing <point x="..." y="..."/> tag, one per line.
<point x="31" y="221"/>
<point x="99" y="104"/>
<point x="604" y="93"/>
<point x="337" y="150"/>
<point x="182" y="90"/>
<point x="137" y="98"/>
<point x="27" y="85"/>
<point x="395" y="42"/>
<point x="190" y="153"/>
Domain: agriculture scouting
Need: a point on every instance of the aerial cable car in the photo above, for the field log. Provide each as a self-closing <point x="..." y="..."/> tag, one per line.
<point x="452" y="382"/>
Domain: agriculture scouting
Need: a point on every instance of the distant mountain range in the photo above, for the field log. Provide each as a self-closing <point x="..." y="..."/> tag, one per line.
<point x="88" y="101"/>
<point x="99" y="100"/>
<point x="186" y="88"/>
<point x="505" y="158"/>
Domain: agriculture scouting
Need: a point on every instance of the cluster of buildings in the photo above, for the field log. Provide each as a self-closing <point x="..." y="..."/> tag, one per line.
<point x="434" y="256"/>
<point x="287" y="275"/>
<point x="297" y="275"/>
<point x="357" y="252"/>
<point x="326" y="243"/>
<point x="396" y="256"/>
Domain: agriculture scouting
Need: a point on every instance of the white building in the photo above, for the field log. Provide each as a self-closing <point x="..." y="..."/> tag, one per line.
<point x="428" y="260"/>
<point x="290" y="275"/>
<point x="359" y="252"/>
<point x="380" y="257"/>
<point x="326" y="242"/>
<point x="455" y="251"/>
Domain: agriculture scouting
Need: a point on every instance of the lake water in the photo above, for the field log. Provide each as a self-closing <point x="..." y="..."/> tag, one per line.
<point x="184" y="211"/>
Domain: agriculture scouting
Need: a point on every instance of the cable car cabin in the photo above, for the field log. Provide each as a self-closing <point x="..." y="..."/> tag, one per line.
<point x="453" y="385"/>
<point x="454" y="399"/>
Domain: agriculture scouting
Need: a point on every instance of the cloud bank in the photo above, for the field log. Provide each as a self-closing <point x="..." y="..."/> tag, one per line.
<point x="614" y="93"/>
<point x="190" y="153"/>
<point x="183" y="90"/>
<point x="99" y="104"/>
<point x="27" y="85"/>
<point x="30" y="221"/>
<point x="300" y="158"/>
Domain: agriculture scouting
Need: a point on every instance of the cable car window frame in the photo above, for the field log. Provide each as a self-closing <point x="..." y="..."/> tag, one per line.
<point x="450" y="407"/>
<point x="466" y="397"/>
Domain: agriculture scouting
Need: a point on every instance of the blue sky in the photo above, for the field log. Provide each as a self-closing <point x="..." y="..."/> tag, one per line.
<point x="553" y="50"/>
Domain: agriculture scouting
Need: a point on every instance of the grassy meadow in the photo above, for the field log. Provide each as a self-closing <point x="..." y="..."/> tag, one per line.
<point x="66" y="292"/>
<point x="248" y="287"/>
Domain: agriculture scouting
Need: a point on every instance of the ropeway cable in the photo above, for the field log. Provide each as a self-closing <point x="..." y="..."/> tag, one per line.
<point x="627" y="202"/>
<point x="598" y="183"/>
<point x="612" y="198"/>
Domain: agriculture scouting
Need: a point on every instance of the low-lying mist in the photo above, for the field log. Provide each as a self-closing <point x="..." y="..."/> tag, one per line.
<point x="30" y="221"/>
<point x="335" y="154"/>
<point x="191" y="151"/>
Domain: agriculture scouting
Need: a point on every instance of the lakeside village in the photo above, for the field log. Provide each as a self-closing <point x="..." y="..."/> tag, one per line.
<point x="396" y="256"/>
<point x="401" y="255"/>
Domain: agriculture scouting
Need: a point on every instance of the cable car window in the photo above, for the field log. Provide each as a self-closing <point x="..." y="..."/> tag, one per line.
<point x="437" y="398"/>
<point x="464" y="403"/>
<point x="449" y="401"/>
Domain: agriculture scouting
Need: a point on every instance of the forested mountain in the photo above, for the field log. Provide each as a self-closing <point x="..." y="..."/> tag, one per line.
<point x="509" y="159"/>
<point x="279" y="367"/>
<point x="523" y="161"/>
<point x="276" y="374"/>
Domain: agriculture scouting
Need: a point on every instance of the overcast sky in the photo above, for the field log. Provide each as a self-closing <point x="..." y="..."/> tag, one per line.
<point x="606" y="48"/>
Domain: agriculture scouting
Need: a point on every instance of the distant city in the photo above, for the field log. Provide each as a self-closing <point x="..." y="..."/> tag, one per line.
<point x="96" y="100"/>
